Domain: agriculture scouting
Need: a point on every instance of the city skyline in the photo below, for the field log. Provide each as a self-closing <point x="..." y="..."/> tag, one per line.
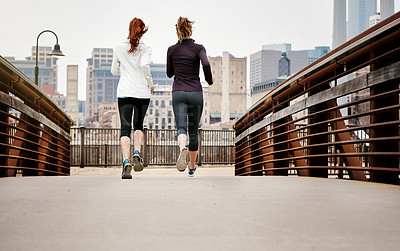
<point x="82" y="26"/>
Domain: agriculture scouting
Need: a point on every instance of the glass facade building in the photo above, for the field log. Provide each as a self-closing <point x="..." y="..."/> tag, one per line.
<point x="359" y="12"/>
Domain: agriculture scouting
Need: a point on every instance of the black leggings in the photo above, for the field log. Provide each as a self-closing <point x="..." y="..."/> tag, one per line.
<point x="188" y="107"/>
<point x="125" y="107"/>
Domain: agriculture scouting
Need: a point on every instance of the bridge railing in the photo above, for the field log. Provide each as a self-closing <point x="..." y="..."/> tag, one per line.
<point x="338" y="116"/>
<point x="101" y="147"/>
<point x="34" y="131"/>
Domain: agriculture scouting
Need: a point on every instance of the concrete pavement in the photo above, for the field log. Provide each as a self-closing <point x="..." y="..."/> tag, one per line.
<point x="207" y="212"/>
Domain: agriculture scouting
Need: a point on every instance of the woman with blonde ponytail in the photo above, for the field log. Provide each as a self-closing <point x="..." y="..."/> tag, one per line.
<point x="183" y="62"/>
<point x="131" y="61"/>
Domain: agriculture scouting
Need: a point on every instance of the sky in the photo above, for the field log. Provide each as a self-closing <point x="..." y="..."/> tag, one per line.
<point x="240" y="27"/>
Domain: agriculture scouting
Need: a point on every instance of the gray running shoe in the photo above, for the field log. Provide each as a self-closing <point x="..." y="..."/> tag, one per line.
<point x="181" y="162"/>
<point x="126" y="170"/>
<point x="191" y="171"/>
<point x="137" y="162"/>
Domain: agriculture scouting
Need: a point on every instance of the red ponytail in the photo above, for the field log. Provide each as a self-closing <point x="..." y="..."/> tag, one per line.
<point x="136" y="30"/>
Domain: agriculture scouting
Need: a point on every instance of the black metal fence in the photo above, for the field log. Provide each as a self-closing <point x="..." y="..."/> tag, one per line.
<point x="101" y="147"/>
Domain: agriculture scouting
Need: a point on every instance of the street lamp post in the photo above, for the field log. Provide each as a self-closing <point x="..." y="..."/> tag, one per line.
<point x="56" y="52"/>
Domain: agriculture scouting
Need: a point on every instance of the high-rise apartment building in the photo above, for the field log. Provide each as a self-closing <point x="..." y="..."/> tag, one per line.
<point x="228" y="95"/>
<point x="359" y="12"/>
<point x="160" y="113"/>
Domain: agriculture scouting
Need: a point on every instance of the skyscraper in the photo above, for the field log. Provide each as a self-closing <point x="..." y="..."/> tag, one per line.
<point x="339" y="23"/>
<point x="387" y="8"/>
<point x="359" y="12"/>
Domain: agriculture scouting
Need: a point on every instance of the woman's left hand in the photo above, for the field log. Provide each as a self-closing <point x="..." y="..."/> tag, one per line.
<point x="152" y="90"/>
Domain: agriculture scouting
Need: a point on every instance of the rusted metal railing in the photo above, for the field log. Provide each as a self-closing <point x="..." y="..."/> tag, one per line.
<point x="338" y="116"/>
<point x="101" y="147"/>
<point x="34" y="131"/>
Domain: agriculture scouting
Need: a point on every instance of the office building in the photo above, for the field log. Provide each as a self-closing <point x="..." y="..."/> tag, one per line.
<point x="228" y="95"/>
<point x="318" y="52"/>
<point x="359" y="12"/>
<point x="374" y="19"/>
<point x="277" y="47"/>
<point x="101" y="85"/>
<point x="339" y="35"/>
<point x="297" y="61"/>
<point x="261" y="89"/>
<point x="81" y="112"/>
<point x="387" y="9"/>
<point x="266" y="65"/>
<point x="48" y="69"/>
<point x="72" y="93"/>
<point x="159" y="74"/>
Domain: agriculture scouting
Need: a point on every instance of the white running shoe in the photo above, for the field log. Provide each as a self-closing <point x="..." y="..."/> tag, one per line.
<point x="181" y="162"/>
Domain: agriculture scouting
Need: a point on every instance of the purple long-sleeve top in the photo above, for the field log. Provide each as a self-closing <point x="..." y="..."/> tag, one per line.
<point x="183" y="61"/>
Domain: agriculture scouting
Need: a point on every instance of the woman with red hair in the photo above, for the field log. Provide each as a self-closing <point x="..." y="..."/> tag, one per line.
<point x="131" y="61"/>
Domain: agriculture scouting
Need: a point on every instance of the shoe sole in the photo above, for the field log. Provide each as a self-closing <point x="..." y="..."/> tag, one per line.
<point x="127" y="172"/>
<point x="181" y="162"/>
<point x="137" y="164"/>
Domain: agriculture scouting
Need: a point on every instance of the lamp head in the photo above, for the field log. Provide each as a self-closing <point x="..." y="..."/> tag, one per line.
<point x="56" y="51"/>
